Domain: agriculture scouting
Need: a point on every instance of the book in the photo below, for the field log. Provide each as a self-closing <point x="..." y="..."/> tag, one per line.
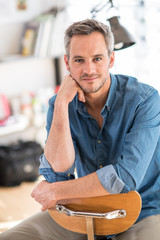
<point x="29" y="38"/>
<point x="46" y="23"/>
<point x="56" y="45"/>
<point x="43" y="36"/>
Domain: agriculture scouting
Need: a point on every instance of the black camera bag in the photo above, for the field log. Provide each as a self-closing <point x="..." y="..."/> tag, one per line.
<point x="19" y="162"/>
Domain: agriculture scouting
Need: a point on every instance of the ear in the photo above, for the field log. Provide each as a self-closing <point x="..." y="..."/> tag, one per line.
<point x="66" y="60"/>
<point x="112" y="58"/>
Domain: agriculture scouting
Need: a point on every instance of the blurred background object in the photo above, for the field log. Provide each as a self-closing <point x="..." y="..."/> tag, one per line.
<point x="5" y="110"/>
<point x="123" y="39"/>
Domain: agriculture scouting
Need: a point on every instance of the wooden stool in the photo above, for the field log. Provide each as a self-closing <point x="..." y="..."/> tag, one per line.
<point x="105" y="215"/>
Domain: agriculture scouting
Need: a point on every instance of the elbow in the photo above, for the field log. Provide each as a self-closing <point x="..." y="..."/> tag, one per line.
<point x="57" y="163"/>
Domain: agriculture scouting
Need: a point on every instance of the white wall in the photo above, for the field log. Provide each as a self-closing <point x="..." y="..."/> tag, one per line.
<point x="10" y="38"/>
<point x="26" y="74"/>
<point x="10" y="13"/>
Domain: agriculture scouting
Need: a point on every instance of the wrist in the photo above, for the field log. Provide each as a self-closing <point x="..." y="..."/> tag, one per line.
<point x="61" y="101"/>
<point x="58" y="189"/>
<point x="61" y="106"/>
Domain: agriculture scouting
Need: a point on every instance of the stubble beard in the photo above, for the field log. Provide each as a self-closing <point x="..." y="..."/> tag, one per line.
<point x="93" y="89"/>
<point x="90" y="90"/>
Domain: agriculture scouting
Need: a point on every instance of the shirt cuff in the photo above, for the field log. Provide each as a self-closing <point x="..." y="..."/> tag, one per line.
<point x="46" y="170"/>
<point x="110" y="180"/>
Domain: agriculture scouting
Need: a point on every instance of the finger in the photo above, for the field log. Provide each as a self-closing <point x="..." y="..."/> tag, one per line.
<point x="32" y="194"/>
<point x="81" y="96"/>
<point x="43" y="209"/>
<point x="80" y="92"/>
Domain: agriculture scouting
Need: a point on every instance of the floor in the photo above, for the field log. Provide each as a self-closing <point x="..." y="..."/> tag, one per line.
<point x="17" y="204"/>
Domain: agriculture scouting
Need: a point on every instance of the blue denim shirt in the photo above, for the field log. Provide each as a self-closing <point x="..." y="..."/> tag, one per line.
<point x="125" y="152"/>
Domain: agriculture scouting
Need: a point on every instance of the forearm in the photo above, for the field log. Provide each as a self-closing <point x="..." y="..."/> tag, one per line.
<point x="48" y="194"/>
<point x="59" y="149"/>
<point x="84" y="187"/>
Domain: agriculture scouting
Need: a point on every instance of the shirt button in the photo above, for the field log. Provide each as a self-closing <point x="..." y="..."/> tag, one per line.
<point x="99" y="141"/>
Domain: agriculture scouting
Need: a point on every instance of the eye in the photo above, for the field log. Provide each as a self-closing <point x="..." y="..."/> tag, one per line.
<point x="79" y="60"/>
<point x="97" y="59"/>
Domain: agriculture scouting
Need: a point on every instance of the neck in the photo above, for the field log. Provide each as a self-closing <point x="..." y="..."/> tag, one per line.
<point x="94" y="106"/>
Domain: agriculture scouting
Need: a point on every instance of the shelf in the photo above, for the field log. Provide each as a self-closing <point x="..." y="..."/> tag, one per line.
<point x="15" y="57"/>
<point x="14" y="125"/>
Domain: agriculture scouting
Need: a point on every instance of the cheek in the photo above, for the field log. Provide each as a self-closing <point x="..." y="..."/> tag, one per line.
<point x="75" y="71"/>
<point x="104" y="68"/>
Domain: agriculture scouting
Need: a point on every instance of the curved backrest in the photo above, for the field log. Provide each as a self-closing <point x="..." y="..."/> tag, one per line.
<point x="130" y="202"/>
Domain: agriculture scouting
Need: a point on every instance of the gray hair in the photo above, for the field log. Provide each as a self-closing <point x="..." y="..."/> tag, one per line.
<point x="86" y="27"/>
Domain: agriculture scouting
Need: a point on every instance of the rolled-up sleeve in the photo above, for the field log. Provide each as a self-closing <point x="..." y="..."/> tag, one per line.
<point x="51" y="176"/>
<point x="110" y="180"/>
<point x="138" y="149"/>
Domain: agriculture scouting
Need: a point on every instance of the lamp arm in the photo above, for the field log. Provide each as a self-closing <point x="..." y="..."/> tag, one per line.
<point x="103" y="4"/>
<point x="99" y="7"/>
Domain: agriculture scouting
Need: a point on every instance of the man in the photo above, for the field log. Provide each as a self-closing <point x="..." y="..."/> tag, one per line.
<point x="105" y="125"/>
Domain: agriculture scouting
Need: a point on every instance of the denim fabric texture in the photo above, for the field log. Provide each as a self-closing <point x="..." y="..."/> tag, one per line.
<point x="125" y="152"/>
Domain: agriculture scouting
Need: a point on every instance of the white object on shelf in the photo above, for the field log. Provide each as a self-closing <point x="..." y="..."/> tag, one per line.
<point x="15" y="124"/>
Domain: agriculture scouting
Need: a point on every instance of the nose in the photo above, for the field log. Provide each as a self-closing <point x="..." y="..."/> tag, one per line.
<point x="89" y="68"/>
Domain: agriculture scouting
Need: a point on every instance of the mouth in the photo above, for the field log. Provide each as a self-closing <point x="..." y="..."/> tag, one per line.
<point x="89" y="79"/>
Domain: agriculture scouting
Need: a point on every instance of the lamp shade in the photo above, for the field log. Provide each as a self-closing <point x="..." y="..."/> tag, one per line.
<point x="122" y="37"/>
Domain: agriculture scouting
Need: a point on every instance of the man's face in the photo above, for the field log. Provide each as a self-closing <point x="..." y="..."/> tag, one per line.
<point x="89" y="62"/>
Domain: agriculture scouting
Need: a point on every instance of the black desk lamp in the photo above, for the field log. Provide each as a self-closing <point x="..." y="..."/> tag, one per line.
<point x="122" y="37"/>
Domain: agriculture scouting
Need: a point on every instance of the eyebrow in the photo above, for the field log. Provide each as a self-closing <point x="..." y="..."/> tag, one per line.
<point x="77" y="57"/>
<point x="97" y="55"/>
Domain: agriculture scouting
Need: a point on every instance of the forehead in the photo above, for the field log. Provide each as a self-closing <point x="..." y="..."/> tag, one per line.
<point x="85" y="44"/>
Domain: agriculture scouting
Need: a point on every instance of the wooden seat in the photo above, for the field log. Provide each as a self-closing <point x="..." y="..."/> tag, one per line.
<point x="105" y="215"/>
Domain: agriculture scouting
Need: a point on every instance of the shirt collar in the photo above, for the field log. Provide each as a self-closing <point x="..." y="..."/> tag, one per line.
<point x="112" y="91"/>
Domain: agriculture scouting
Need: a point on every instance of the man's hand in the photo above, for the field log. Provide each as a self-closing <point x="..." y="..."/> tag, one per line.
<point x="44" y="194"/>
<point x="69" y="88"/>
